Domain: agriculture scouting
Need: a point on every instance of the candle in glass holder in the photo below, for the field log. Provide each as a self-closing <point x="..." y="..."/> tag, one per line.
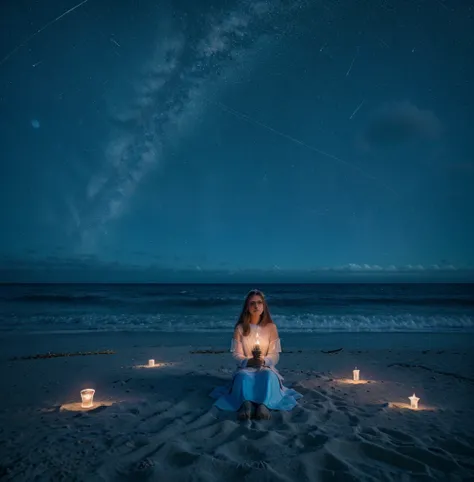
<point x="151" y="363"/>
<point x="414" y="401"/>
<point x="355" y="374"/>
<point x="87" y="397"/>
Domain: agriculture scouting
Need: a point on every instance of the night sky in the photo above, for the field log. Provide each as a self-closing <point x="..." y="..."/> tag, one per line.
<point x="224" y="141"/>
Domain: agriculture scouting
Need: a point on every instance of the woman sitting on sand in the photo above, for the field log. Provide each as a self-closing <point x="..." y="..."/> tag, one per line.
<point x="256" y="386"/>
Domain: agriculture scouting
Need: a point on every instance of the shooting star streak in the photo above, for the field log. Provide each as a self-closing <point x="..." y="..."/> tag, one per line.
<point x="355" y="112"/>
<point x="444" y="5"/>
<point x="115" y="42"/>
<point x="352" y="63"/>
<point x="44" y="27"/>
<point x="248" y="119"/>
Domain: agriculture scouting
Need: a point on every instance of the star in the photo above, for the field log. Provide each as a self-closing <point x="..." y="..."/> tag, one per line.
<point x="414" y="401"/>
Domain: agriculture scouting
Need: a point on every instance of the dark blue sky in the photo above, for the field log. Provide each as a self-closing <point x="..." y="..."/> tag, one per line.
<point x="201" y="141"/>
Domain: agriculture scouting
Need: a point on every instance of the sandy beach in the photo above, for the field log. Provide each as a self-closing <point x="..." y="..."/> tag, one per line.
<point x="160" y="424"/>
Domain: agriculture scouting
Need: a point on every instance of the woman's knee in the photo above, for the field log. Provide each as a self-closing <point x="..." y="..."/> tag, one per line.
<point x="266" y="374"/>
<point x="242" y="374"/>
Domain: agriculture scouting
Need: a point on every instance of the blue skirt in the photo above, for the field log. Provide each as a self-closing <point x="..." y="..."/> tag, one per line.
<point x="262" y="386"/>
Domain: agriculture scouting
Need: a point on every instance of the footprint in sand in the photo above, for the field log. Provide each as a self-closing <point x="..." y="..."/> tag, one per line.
<point x="397" y="436"/>
<point x="311" y="442"/>
<point x="301" y="415"/>
<point x="410" y="446"/>
<point x="328" y="414"/>
<point x="138" y="471"/>
<point x="457" y="447"/>
<point x="391" y="457"/>
<point x="353" y="420"/>
<point x="334" y="463"/>
<point x="239" y="452"/>
<point x="373" y="432"/>
<point x="178" y="457"/>
<point x="432" y="459"/>
<point x="341" y="405"/>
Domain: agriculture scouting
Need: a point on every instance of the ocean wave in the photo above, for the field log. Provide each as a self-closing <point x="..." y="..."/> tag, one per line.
<point x="57" y="298"/>
<point x="365" y="300"/>
<point x="182" y="300"/>
<point x="192" y="323"/>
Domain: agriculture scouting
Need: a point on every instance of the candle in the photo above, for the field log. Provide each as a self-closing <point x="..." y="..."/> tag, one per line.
<point x="87" y="397"/>
<point x="151" y="363"/>
<point x="355" y="373"/>
<point x="257" y="340"/>
<point x="414" y="401"/>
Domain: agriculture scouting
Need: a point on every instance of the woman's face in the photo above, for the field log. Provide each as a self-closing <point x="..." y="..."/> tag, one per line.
<point x="255" y="305"/>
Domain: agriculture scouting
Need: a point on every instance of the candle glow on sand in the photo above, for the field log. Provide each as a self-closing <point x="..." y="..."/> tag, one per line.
<point x="77" y="406"/>
<point x="413" y="405"/>
<point x="355" y="380"/>
<point x="154" y="365"/>
<point x="350" y="381"/>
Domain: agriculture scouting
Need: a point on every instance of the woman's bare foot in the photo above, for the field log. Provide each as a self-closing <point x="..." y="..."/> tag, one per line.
<point x="262" y="413"/>
<point x="245" y="411"/>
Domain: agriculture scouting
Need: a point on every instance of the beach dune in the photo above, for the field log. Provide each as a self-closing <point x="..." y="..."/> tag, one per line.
<point x="160" y="424"/>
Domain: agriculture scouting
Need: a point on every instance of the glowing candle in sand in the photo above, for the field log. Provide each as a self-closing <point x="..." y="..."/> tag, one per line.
<point x="355" y="374"/>
<point x="87" y="396"/>
<point x="151" y="363"/>
<point x="414" y="401"/>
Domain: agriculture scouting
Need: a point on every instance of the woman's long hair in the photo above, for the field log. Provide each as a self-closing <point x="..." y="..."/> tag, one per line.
<point x="244" y="318"/>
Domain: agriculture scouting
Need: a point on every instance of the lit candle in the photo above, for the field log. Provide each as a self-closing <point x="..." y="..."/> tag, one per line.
<point x="355" y="373"/>
<point x="87" y="396"/>
<point x="151" y="363"/>
<point x="414" y="401"/>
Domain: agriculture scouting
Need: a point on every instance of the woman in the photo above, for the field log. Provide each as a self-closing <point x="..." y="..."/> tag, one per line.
<point x="257" y="386"/>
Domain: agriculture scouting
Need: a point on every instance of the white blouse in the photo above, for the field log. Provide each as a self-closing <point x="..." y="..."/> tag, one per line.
<point x="242" y="346"/>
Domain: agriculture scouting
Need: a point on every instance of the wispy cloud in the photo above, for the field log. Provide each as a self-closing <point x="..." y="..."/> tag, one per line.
<point x="375" y="268"/>
<point x="168" y="99"/>
<point x="396" y="123"/>
<point x="32" y="267"/>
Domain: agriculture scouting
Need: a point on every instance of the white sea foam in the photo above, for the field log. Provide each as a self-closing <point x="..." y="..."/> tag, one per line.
<point x="191" y="323"/>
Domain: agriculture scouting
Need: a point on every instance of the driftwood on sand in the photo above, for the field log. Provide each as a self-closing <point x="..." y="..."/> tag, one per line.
<point x="218" y="352"/>
<point x="58" y="355"/>
<point x="207" y="352"/>
<point x="439" y="372"/>
<point x="332" y="351"/>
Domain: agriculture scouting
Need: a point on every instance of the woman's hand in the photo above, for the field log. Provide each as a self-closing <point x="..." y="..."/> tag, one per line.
<point x="255" y="363"/>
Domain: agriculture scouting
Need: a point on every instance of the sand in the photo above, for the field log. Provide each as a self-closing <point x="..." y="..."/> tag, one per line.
<point x="159" y="423"/>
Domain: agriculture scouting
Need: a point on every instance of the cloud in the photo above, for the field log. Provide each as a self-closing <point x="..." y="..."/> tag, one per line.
<point x="80" y="268"/>
<point x="358" y="267"/>
<point x="375" y="268"/>
<point x="91" y="269"/>
<point x="400" y="122"/>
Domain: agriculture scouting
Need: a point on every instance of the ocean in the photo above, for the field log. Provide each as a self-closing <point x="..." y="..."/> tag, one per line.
<point x="296" y="308"/>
